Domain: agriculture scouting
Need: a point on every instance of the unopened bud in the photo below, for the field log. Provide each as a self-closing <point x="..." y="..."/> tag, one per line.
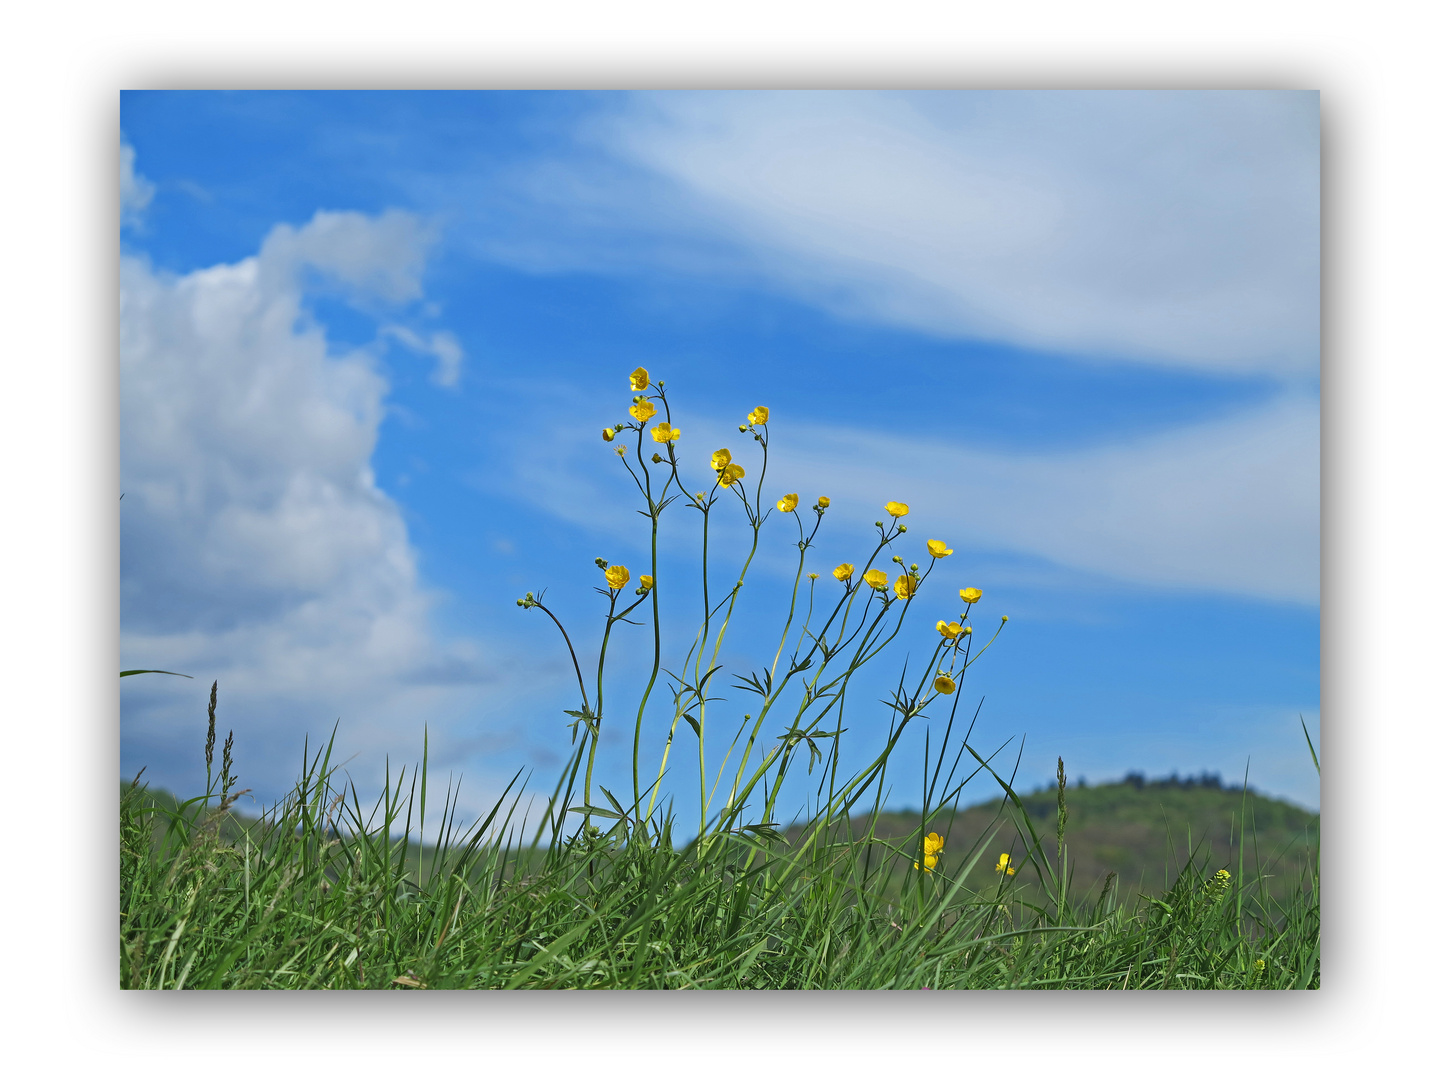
<point x="904" y="529"/>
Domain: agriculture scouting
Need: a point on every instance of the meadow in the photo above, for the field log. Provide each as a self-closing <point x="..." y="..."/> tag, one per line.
<point x="329" y="889"/>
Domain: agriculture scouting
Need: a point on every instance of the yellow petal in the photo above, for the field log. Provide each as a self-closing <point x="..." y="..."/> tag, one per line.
<point x="639" y="379"/>
<point x="822" y="502"/>
<point x="608" y="434"/>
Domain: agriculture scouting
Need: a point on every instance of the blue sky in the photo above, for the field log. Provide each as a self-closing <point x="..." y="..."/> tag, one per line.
<point x="368" y="342"/>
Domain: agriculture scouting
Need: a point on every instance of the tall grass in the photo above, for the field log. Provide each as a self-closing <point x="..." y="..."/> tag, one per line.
<point x="328" y="890"/>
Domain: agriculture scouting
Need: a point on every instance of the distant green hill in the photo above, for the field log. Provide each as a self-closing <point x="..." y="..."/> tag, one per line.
<point x="1142" y="831"/>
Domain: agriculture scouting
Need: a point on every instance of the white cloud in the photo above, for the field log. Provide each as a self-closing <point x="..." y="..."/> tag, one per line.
<point x="1172" y="227"/>
<point x="256" y="547"/>
<point x="443" y="345"/>
<point x="1230" y="506"/>
<point x="135" y="191"/>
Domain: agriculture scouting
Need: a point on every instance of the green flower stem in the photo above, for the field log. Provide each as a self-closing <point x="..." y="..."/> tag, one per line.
<point x="573" y="659"/>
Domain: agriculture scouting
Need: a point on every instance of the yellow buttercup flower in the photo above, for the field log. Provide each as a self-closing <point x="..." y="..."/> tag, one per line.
<point x="642" y="410"/>
<point x="948" y="630"/>
<point x="761" y="415"/>
<point x="616" y="576"/>
<point x="934" y="845"/>
<point x="788" y="503"/>
<point x="876" y="579"/>
<point x="1003" y="866"/>
<point x="608" y="434"/>
<point x="639" y="379"/>
<point x="905" y="586"/>
<point x="897" y="509"/>
<point x="970" y="595"/>
<point x="944" y="684"/>
<point x="822" y="502"/>
<point x="938" y="549"/>
<point x="646" y="582"/>
<point x="730" y="474"/>
<point x="719" y="459"/>
<point x="663" y="432"/>
<point x="844" y="571"/>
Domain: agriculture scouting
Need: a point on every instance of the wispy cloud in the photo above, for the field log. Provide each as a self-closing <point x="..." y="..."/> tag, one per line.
<point x="1177" y="228"/>
<point x="1229" y="506"/>
<point x="135" y="191"/>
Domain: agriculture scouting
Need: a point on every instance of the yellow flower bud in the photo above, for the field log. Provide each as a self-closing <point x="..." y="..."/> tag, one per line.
<point x="844" y="571"/>
<point x="761" y="415"/>
<point x="646" y="582"/>
<point x="930" y="863"/>
<point x="1003" y="866"/>
<point x="905" y="586"/>
<point x="663" y="432"/>
<point x="639" y="379"/>
<point x="608" y="434"/>
<point x="938" y="549"/>
<point x="642" y="410"/>
<point x="896" y="509"/>
<point x="944" y="683"/>
<point x="970" y="596"/>
<point x="719" y="459"/>
<point x="616" y="576"/>
<point x="788" y="503"/>
<point x="730" y="474"/>
<point x="823" y="501"/>
<point x="876" y="579"/>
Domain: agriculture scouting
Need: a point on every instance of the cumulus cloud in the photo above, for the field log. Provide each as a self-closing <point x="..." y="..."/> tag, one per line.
<point x="135" y="191"/>
<point x="1174" y="227"/>
<point x="255" y="545"/>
